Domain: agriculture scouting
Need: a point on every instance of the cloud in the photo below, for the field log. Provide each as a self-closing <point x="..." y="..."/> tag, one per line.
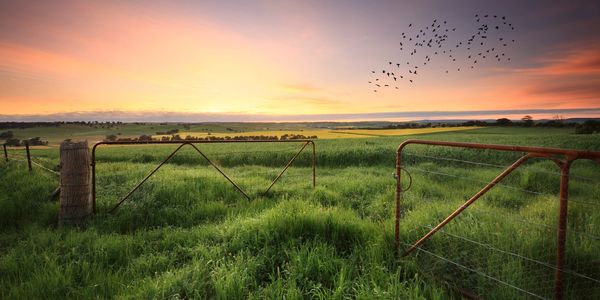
<point x="301" y="96"/>
<point x="582" y="88"/>
<point x="570" y="72"/>
<point x="580" y="59"/>
<point x="299" y="87"/>
<point x="290" y="102"/>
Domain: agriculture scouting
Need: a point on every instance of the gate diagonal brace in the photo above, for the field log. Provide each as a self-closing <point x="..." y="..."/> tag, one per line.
<point x="285" y="168"/>
<point x="474" y="198"/>
<point x="191" y="143"/>
<point x="144" y="180"/>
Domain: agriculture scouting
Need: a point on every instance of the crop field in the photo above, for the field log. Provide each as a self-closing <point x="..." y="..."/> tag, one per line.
<point x="188" y="234"/>
<point x="336" y="133"/>
<point x="94" y="133"/>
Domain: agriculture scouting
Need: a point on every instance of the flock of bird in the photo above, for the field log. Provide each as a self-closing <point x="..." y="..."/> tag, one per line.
<point x="422" y="47"/>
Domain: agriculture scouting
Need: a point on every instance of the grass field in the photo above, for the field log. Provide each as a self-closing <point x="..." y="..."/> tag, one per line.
<point x="188" y="234"/>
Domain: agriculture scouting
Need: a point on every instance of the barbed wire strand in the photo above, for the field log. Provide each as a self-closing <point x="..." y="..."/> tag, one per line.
<point x="567" y="271"/>
<point x="499" y="184"/>
<point x="536" y="170"/>
<point x="519" y="218"/>
<point x="44" y="168"/>
<point x="38" y="165"/>
<point x="477" y="272"/>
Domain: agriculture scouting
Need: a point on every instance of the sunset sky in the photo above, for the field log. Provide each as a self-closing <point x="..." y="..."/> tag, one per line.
<point x="284" y="60"/>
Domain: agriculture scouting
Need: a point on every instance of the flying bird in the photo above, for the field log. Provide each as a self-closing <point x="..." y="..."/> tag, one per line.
<point x="488" y="33"/>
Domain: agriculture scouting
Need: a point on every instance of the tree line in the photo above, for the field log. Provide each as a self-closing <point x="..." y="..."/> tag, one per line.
<point x="10" y="140"/>
<point x="587" y="127"/>
<point x="177" y="138"/>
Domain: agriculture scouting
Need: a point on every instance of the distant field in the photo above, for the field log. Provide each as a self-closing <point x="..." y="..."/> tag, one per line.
<point x="55" y="135"/>
<point x="337" y="134"/>
<point x="390" y="132"/>
<point x="98" y="132"/>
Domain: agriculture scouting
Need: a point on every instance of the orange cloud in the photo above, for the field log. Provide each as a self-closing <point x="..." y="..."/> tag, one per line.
<point x="579" y="60"/>
<point x="570" y="75"/>
<point x="299" y="87"/>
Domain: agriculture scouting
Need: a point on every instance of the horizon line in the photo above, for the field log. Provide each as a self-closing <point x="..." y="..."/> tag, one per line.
<point x="174" y="116"/>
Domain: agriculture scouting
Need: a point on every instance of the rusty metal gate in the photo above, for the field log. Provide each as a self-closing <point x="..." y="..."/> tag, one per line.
<point x="192" y="143"/>
<point x="563" y="158"/>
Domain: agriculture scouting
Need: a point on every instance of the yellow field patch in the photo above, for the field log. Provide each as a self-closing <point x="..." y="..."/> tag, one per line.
<point x="330" y="134"/>
<point x="408" y="131"/>
<point x="320" y="133"/>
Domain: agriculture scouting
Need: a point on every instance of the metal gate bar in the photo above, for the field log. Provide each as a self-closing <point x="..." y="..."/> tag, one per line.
<point x="286" y="167"/>
<point x="191" y="143"/>
<point x="564" y="161"/>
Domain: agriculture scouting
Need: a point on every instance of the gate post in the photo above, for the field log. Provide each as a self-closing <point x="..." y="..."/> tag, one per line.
<point x="75" y="200"/>
<point x="562" y="229"/>
<point x="398" y="178"/>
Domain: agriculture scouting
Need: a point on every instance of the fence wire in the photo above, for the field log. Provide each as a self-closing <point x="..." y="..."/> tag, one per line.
<point x="535" y="170"/>
<point x="35" y="161"/>
<point x="506" y="250"/>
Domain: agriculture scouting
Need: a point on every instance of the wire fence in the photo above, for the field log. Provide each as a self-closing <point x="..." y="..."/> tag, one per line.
<point x="504" y="246"/>
<point x="42" y="163"/>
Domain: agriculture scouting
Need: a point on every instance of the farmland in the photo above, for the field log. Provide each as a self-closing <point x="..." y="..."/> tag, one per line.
<point x="188" y="234"/>
<point x="98" y="132"/>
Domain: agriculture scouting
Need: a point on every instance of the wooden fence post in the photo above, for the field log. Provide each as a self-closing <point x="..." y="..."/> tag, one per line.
<point x="75" y="195"/>
<point x="28" y="156"/>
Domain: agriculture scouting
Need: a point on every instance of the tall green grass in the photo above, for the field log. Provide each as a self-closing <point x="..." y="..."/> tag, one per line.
<point x="188" y="234"/>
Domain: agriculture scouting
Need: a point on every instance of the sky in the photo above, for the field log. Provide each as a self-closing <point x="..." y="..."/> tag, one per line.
<point x="286" y="61"/>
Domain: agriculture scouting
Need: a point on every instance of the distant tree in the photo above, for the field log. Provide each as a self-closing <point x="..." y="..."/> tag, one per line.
<point x="36" y="141"/>
<point x="588" y="127"/>
<point x="527" y="121"/>
<point x="145" y="138"/>
<point x="558" y="118"/>
<point x="503" y="122"/>
<point x="6" y="135"/>
<point x="13" y="142"/>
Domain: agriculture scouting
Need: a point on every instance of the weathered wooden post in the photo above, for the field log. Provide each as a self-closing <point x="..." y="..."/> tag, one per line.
<point x="5" y="152"/>
<point x="75" y="194"/>
<point x="28" y="156"/>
